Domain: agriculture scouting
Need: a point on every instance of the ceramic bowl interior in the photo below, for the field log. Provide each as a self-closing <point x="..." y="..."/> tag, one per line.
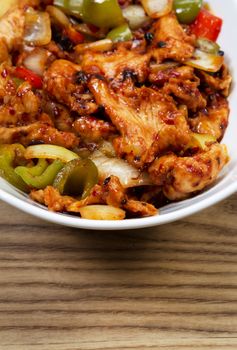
<point x="224" y="187"/>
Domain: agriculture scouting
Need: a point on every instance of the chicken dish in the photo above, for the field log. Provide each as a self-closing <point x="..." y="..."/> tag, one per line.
<point x="110" y="110"/>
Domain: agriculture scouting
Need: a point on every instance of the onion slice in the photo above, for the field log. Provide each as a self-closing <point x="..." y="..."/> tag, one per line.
<point x="206" y="61"/>
<point x="99" y="45"/>
<point x="135" y="16"/>
<point x="57" y="16"/>
<point x="157" y="8"/>
<point x="36" y="60"/>
<point x="127" y="174"/>
<point x="101" y="212"/>
<point x="50" y="152"/>
<point x="37" y="28"/>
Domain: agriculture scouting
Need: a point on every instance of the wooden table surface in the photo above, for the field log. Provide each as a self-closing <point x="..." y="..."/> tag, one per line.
<point x="169" y="287"/>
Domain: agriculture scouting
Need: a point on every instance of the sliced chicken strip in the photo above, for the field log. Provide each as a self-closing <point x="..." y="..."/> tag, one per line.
<point x="182" y="177"/>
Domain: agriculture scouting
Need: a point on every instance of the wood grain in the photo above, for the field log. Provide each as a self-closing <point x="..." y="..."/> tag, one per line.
<point x="169" y="287"/>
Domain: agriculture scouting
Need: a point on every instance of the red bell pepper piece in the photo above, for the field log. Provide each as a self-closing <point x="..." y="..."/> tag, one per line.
<point x="206" y="25"/>
<point x="26" y="74"/>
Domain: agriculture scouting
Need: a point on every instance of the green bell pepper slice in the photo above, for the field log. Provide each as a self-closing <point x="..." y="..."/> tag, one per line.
<point x="187" y="10"/>
<point x="121" y="33"/>
<point x="77" y="178"/>
<point x="38" y="176"/>
<point x="208" y="46"/>
<point x="39" y="168"/>
<point x="102" y="13"/>
<point x="71" y="7"/>
<point x="8" y="156"/>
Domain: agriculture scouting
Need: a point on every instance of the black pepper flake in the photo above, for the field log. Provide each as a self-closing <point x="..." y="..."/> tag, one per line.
<point x="221" y="53"/>
<point x="106" y="181"/>
<point x="123" y="201"/>
<point x="81" y="77"/>
<point x="129" y="74"/>
<point x="137" y="158"/>
<point x="149" y="37"/>
<point x="161" y="44"/>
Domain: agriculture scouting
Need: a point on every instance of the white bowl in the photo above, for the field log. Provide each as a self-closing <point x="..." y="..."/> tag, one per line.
<point x="224" y="187"/>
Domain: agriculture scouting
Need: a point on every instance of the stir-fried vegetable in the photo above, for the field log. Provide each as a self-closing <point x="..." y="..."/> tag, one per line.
<point x="187" y="10"/>
<point x="127" y="174"/>
<point x="35" y="62"/>
<point x="35" y="179"/>
<point x="157" y="8"/>
<point x="135" y="15"/>
<point x="50" y="152"/>
<point x="101" y="212"/>
<point x="58" y="17"/>
<point x="8" y="154"/>
<point x="77" y="178"/>
<point x="102" y="13"/>
<point x="121" y="33"/>
<point x="158" y="67"/>
<point x="99" y="45"/>
<point x="71" y="7"/>
<point x="208" y="46"/>
<point x="37" y="28"/>
<point x="26" y="74"/>
<point x="206" y="61"/>
<point x="207" y="25"/>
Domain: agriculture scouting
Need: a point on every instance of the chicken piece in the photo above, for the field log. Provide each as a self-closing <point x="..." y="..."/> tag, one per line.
<point x="7" y="86"/>
<point x="95" y="197"/>
<point x="12" y="28"/>
<point x="170" y="41"/>
<point x="50" y="135"/>
<point x="149" y="123"/>
<point x="182" y="177"/>
<point x="220" y="81"/>
<point x="114" y="194"/>
<point x="184" y="86"/>
<point x="113" y="64"/>
<point x="52" y="199"/>
<point x="141" y="209"/>
<point x="59" y="114"/>
<point x="93" y="129"/>
<point x="66" y="82"/>
<point x="213" y="120"/>
<point x="161" y="73"/>
<point x="111" y="192"/>
<point x="4" y="55"/>
<point x="38" y="132"/>
<point x="21" y="109"/>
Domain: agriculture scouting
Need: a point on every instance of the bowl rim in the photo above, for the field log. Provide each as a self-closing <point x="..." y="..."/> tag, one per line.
<point x="226" y="189"/>
<point x="77" y="222"/>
